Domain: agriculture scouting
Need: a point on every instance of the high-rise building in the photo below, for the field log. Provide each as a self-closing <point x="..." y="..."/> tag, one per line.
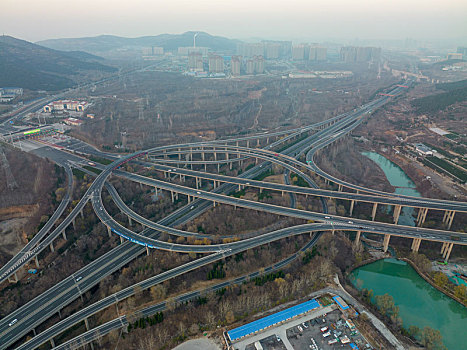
<point x="250" y="66"/>
<point x="272" y="50"/>
<point x="250" y="49"/>
<point x="312" y="53"/>
<point x="153" y="50"/>
<point x="321" y="53"/>
<point x="259" y="64"/>
<point x="298" y="52"/>
<point x="285" y="47"/>
<point x="157" y="50"/>
<point x="216" y="64"/>
<point x="185" y="51"/>
<point x="195" y="61"/>
<point x="462" y="50"/>
<point x="235" y="64"/>
<point x="360" y="54"/>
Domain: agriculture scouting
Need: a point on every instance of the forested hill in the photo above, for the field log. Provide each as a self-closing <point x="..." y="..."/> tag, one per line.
<point x="34" y="67"/>
<point x="454" y="92"/>
<point x="170" y="42"/>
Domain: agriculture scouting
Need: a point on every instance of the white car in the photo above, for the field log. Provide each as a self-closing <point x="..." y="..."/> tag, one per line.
<point x="350" y="222"/>
<point x="12" y="322"/>
<point x="198" y="192"/>
<point x="192" y="207"/>
<point x="79" y="278"/>
<point x="327" y="217"/>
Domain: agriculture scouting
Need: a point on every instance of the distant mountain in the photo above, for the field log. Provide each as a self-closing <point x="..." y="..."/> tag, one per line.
<point x="34" y="67"/>
<point x="170" y="42"/>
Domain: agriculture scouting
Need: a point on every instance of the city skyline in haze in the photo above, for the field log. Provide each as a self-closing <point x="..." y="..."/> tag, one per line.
<point x="241" y="19"/>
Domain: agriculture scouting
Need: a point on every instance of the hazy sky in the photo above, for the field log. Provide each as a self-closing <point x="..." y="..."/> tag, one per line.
<point x="365" y="19"/>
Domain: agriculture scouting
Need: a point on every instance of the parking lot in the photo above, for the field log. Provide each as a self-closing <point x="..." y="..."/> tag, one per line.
<point x="310" y="335"/>
<point x="269" y="343"/>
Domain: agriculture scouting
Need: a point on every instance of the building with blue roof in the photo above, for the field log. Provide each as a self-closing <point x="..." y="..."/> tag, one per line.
<point x="340" y="302"/>
<point x="271" y="320"/>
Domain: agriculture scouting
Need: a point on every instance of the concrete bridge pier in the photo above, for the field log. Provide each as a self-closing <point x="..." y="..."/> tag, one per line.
<point x="86" y="323"/>
<point x="397" y="213"/>
<point x="129" y="221"/>
<point x="257" y="142"/>
<point x="52" y="342"/>
<point x="109" y="231"/>
<point x="147" y="251"/>
<point x="267" y="140"/>
<point x="36" y="259"/>
<point x="247" y="143"/>
<point x="339" y="188"/>
<point x="443" y="247"/>
<point x="189" y="199"/>
<point x="121" y="239"/>
<point x="64" y="234"/>
<point x="352" y="204"/>
<point x="416" y="244"/>
<point x="11" y="280"/>
<point x="172" y="195"/>
<point x="218" y="167"/>
<point x="357" y="237"/>
<point x="373" y="213"/>
<point x="449" y="217"/>
<point x="196" y="180"/>
<point x="52" y="246"/>
<point x="386" y="239"/>
<point x="214" y="204"/>
<point x="74" y="223"/>
<point x="447" y="252"/>
<point x="205" y="168"/>
<point x="421" y="216"/>
<point x="81" y="213"/>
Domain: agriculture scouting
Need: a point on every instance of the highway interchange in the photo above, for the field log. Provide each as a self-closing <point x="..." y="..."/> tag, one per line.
<point x="311" y="139"/>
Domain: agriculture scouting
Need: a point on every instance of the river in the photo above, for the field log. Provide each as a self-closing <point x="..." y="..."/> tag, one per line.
<point x="397" y="178"/>
<point x="419" y="303"/>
